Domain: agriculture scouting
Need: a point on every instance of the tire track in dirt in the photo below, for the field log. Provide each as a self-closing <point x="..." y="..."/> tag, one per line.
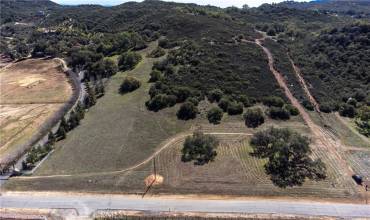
<point x="165" y="145"/>
<point x="322" y="138"/>
<point x="298" y="73"/>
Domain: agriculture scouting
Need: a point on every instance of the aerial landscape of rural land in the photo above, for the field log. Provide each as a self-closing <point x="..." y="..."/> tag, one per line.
<point x="172" y="110"/>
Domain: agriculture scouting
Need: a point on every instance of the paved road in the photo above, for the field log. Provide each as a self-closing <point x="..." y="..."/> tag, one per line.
<point x="88" y="204"/>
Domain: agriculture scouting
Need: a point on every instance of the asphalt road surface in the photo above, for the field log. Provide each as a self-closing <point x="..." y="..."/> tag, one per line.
<point x="85" y="205"/>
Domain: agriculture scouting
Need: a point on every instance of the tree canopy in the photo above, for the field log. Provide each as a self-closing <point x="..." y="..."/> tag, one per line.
<point x="288" y="153"/>
<point x="200" y="148"/>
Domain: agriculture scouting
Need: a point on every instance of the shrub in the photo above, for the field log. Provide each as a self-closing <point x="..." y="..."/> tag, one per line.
<point x="224" y="103"/>
<point x="155" y="76"/>
<point x="193" y="100"/>
<point x="214" y="115"/>
<point x="273" y="101"/>
<point x="158" y="52"/>
<point x="187" y="111"/>
<point x="215" y="95"/>
<point x="163" y="42"/>
<point x="254" y="117"/>
<point x="308" y="105"/>
<point x="352" y="101"/>
<point x="347" y="110"/>
<point x="199" y="148"/>
<point x="326" y="107"/>
<point x="129" y="84"/>
<point x="128" y="61"/>
<point x="182" y="93"/>
<point x="235" y="108"/>
<point x="279" y="113"/>
<point x="292" y="110"/>
<point x="247" y="102"/>
<point x="160" y="101"/>
<point x="271" y="32"/>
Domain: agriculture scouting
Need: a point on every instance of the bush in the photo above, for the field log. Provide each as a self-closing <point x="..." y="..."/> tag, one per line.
<point x="182" y="93"/>
<point x="326" y="107"/>
<point x="224" y="104"/>
<point x="193" y="100"/>
<point x="129" y="84"/>
<point x="187" y="111"/>
<point x="247" y="102"/>
<point x="279" y="113"/>
<point x="273" y="101"/>
<point x="215" y="95"/>
<point x="235" y="108"/>
<point x="292" y="110"/>
<point x="308" y="105"/>
<point x="155" y="76"/>
<point x="271" y="32"/>
<point x="200" y="148"/>
<point x="158" y="52"/>
<point x="347" y="110"/>
<point x="128" y="61"/>
<point x="160" y="101"/>
<point x="214" y="115"/>
<point x="254" y="117"/>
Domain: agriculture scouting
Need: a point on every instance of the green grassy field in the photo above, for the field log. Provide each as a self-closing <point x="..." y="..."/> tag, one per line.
<point x="234" y="172"/>
<point x="117" y="132"/>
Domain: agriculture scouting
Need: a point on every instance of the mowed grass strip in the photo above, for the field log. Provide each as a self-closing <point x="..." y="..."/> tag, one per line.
<point x="234" y="172"/>
<point x="118" y="132"/>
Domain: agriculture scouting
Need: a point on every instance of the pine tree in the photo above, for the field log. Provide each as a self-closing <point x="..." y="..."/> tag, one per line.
<point x="80" y="111"/>
<point x="63" y="129"/>
<point x="64" y="124"/>
<point x="51" y="138"/>
<point x="90" y="100"/>
<point x="73" y="120"/>
<point x="62" y="134"/>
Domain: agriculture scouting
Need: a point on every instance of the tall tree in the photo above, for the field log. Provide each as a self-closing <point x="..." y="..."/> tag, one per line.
<point x="288" y="153"/>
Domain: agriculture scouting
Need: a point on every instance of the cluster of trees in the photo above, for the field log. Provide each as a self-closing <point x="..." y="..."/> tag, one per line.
<point x="271" y="29"/>
<point x="335" y="63"/>
<point x="363" y="120"/>
<point x="37" y="153"/>
<point x="75" y="116"/>
<point x="200" y="148"/>
<point x="288" y="153"/>
<point x="279" y="109"/>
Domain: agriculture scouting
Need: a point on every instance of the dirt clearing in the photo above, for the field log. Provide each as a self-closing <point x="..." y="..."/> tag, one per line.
<point x="31" y="92"/>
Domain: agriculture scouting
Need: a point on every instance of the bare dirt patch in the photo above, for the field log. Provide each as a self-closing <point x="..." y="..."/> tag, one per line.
<point x="31" y="92"/>
<point x="34" y="81"/>
<point x="153" y="180"/>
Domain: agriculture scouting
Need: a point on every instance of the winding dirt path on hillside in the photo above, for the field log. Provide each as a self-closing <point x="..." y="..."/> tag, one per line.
<point x="165" y="145"/>
<point x="322" y="139"/>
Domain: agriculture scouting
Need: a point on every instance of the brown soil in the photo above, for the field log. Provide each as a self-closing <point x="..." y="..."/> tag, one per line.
<point x="153" y="180"/>
<point x="31" y="92"/>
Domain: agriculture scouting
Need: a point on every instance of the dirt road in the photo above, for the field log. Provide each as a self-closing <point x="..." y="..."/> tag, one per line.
<point x="322" y="138"/>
